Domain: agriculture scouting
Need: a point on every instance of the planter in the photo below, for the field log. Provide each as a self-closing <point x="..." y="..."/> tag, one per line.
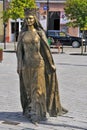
<point x="1" y="55"/>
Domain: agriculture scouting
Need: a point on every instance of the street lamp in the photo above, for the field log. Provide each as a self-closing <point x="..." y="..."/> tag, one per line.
<point x="4" y="39"/>
<point x="47" y="15"/>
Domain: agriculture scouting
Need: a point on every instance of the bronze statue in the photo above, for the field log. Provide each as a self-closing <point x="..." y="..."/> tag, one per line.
<point x="37" y="73"/>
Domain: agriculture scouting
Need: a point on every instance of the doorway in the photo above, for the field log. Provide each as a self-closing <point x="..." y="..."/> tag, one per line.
<point x="54" y="20"/>
<point x="56" y="24"/>
<point x="14" y="31"/>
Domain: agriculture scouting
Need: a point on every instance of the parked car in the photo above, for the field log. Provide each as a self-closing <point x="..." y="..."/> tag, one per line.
<point x="85" y="38"/>
<point x="64" y="38"/>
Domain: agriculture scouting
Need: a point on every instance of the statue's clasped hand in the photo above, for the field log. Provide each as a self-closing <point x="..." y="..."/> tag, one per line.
<point x="19" y="71"/>
<point x="53" y="68"/>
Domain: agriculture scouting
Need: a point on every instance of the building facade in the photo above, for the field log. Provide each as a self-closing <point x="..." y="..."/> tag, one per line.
<point x="7" y="30"/>
<point x="53" y="19"/>
<point x="1" y="22"/>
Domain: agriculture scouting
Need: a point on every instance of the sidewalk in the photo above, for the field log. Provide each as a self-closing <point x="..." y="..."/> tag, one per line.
<point x="8" y="47"/>
<point x="72" y="77"/>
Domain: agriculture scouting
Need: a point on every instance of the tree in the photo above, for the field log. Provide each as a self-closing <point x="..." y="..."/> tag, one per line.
<point x="15" y="10"/>
<point x="76" y="12"/>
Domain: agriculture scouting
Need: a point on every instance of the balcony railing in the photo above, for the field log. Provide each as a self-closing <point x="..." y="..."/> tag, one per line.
<point x="51" y="1"/>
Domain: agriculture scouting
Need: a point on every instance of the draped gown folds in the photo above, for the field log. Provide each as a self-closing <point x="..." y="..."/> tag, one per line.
<point x="38" y="81"/>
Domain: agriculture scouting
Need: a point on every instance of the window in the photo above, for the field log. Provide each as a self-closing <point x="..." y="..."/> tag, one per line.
<point x="62" y="34"/>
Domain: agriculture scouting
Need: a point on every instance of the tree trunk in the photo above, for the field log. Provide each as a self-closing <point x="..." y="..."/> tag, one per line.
<point x="15" y="48"/>
<point x="1" y="55"/>
<point x="82" y="42"/>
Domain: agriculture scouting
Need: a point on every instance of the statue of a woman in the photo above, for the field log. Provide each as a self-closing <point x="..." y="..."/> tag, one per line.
<point x="38" y="81"/>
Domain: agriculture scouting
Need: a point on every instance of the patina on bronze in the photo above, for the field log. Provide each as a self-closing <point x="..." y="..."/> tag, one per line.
<point x="37" y="72"/>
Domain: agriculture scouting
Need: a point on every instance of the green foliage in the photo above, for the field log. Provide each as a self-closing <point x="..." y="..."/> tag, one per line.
<point x="1" y="49"/>
<point x="76" y="12"/>
<point x="16" y="9"/>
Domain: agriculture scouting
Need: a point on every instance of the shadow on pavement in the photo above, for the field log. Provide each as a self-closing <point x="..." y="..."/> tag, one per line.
<point x="9" y="51"/>
<point x="68" y="64"/>
<point x="79" y="54"/>
<point x="73" y="127"/>
<point x="13" y="116"/>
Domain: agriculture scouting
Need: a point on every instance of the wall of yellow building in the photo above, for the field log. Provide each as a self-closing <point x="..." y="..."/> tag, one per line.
<point x="1" y="22"/>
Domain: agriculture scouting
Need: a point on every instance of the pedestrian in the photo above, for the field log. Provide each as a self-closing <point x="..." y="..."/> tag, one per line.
<point x="37" y="72"/>
<point x="59" y="45"/>
<point x="49" y="41"/>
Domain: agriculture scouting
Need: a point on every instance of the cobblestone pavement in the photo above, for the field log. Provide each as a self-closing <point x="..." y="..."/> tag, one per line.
<point x="72" y="77"/>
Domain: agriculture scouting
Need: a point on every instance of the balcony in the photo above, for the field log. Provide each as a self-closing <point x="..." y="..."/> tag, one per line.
<point x="51" y="1"/>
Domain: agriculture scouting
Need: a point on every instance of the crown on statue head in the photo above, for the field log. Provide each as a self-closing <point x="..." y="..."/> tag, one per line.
<point x="30" y="11"/>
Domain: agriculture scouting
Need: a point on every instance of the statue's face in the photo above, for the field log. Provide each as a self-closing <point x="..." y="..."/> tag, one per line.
<point x="30" y="20"/>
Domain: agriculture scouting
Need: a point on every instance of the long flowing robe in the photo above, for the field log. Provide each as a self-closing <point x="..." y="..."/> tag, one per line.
<point x="52" y="91"/>
<point x="38" y="80"/>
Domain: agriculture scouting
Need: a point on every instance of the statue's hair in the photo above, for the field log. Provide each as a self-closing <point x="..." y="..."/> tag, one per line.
<point x="37" y="25"/>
